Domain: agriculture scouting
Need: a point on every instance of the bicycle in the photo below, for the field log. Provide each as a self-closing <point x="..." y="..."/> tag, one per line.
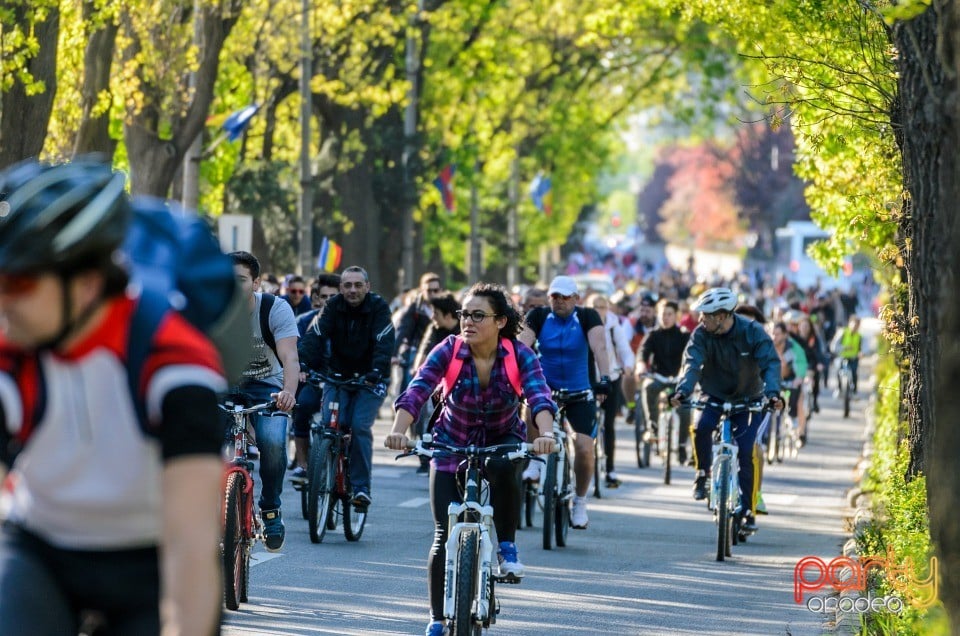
<point x="725" y="483"/>
<point x="556" y="491"/>
<point x="845" y="384"/>
<point x="469" y="600"/>
<point x="328" y="490"/>
<point x="783" y="436"/>
<point x="598" y="452"/>
<point x="668" y="423"/>
<point x="642" y="439"/>
<point x="242" y="525"/>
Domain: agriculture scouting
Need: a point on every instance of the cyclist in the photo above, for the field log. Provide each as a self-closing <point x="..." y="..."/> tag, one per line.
<point x="662" y="352"/>
<point x="297" y="295"/>
<point x="570" y="339"/>
<point x="352" y="337"/>
<point x="848" y="345"/>
<point x="481" y="408"/>
<point x="413" y="323"/>
<point x="621" y="358"/>
<point x="792" y="363"/>
<point x="733" y="359"/>
<point x="308" y="399"/>
<point x="273" y="373"/>
<point x="103" y="512"/>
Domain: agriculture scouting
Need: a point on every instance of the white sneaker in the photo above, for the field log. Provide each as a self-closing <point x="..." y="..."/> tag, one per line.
<point x="578" y="516"/>
<point x="532" y="472"/>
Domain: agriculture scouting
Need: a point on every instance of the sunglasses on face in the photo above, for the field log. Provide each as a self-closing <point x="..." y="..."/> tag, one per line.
<point x="296" y="291"/>
<point x="18" y="284"/>
<point x="560" y="297"/>
<point x="474" y="316"/>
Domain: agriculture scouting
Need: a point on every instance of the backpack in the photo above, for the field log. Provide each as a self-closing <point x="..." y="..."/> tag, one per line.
<point x="456" y="364"/>
<point x="266" y="304"/>
<point x="178" y="264"/>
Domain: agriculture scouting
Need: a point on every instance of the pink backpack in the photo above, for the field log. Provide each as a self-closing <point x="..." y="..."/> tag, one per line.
<point x="513" y="369"/>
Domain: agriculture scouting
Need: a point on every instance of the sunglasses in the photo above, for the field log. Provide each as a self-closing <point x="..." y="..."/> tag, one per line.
<point x="560" y="297"/>
<point x="433" y="290"/>
<point x="474" y="316"/>
<point x="299" y="292"/>
<point x="18" y="284"/>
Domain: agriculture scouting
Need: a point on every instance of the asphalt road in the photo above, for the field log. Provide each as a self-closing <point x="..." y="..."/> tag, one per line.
<point x="645" y="565"/>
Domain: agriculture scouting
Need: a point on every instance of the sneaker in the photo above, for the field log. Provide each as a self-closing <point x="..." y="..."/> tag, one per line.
<point x="761" y="507"/>
<point x="612" y="480"/>
<point x="273" y="530"/>
<point x="749" y="523"/>
<point x="532" y="472"/>
<point x="361" y="501"/>
<point x="510" y="566"/>
<point x="700" y="486"/>
<point x="298" y="475"/>
<point x="436" y="628"/>
<point x="253" y="452"/>
<point x="578" y="516"/>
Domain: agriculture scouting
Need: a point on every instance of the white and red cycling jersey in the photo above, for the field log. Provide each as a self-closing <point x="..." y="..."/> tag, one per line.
<point x="88" y="472"/>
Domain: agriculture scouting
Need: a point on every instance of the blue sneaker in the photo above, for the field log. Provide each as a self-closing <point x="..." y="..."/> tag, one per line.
<point x="436" y="628"/>
<point x="510" y="566"/>
<point x="273" y="530"/>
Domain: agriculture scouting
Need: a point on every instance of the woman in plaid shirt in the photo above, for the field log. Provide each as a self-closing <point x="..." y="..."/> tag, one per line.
<point x="481" y="408"/>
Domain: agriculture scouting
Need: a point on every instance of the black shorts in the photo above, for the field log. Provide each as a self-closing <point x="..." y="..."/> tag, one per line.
<point x="582" y="416"/>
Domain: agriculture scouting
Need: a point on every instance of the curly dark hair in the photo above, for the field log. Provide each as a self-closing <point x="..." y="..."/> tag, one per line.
<point x="502" y="305"/>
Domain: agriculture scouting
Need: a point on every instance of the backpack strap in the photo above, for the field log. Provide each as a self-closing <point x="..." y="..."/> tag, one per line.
<point x="266" y="304"/>
<point x="456" y="364"/>
<point x="151" y="307"/>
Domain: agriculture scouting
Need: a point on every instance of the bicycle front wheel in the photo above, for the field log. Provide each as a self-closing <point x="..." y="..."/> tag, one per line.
<point x="354" y="521"/>
<point x="548" y="490"/>
<point x="639" y="430"/>
<point x="846" y="390"/>
<point x="666" y="423"/>
<point x="320" y="488"/>
<point x="468" y="560"/>
<point x="597" y="457"/>
<point x="723" y="511"/>
<point x="561" y="513"/>
<point x="235" y="548"/>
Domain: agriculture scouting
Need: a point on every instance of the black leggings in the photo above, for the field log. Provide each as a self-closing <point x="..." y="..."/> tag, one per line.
<point x="504" y="479"/>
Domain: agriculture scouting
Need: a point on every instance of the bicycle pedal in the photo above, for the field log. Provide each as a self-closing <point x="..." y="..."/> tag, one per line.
<point x="509" y="579"/>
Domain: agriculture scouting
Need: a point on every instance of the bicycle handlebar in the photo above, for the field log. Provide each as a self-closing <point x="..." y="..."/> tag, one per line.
<point x="752" y="405"/>
<point x="562" y="396"/>
<point x="267" y="408"/>
<point x="516" y="450"/>
<point x="318" y="379"/>
<point x="659" y="377"/>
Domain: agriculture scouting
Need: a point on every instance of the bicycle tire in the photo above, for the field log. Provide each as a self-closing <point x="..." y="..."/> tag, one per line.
<point x="639" y="429"/>
<point x="354" y="521"/>
<point x="548" y="490"/>
<point x="468" y="560"/>
<point x="723" y="511"/>
<point x="846" y="398"/>
<point x="235" y="551"/>
<point x="597" y="456"/>
<point x="667" y="423"/>
<point x="531" y="503"/>
<point x="334" y="513"/>
<point x="782" y="439"/>
<point x="561" y="512"/>
<point x="772" y="436"/>
<point x="320" y="488"/>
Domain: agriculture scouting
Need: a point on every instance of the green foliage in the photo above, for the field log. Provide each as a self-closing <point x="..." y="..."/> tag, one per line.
<point x="266" y="191"/>
<point x="900" y="528"/>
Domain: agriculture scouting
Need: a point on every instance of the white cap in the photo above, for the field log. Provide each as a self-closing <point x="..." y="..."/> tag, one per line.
<point x="563" y="285"/>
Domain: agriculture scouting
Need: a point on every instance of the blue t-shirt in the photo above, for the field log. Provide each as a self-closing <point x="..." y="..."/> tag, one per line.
<point x="564" y="353"/>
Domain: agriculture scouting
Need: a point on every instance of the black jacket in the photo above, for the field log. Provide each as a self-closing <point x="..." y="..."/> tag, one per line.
<point x="347" y="340"/>
<point x="662" y="350"/>
<point x="413" y="324"/>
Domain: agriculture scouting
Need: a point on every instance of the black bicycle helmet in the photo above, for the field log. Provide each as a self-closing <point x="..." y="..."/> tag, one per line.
<point x="53" y="217"/>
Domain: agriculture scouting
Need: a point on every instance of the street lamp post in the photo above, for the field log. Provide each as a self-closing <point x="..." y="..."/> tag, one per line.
<point x="305" y="261"/>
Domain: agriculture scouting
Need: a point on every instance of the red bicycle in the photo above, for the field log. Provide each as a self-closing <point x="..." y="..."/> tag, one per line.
<point x="242" y="526"/>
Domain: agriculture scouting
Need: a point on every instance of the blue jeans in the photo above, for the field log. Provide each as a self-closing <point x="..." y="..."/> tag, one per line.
<point x="744" y="430"/>
<point x="271" y="433"/>
<point x="358" y="412"/>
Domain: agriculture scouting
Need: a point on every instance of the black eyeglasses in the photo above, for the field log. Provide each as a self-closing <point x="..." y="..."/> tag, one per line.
<point x="433" y="290"/>
<point x="474" y="316"/>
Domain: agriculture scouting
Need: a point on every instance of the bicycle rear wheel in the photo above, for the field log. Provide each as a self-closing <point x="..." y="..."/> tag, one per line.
<point x="639" y="430"/>
<point x="354" y="521"/>
<point x="235" y="548"/>
<point x="723" y="511"/>
<point x="468" y="560"/>
<point x="548" y="490"/>
<point x="320" y="488"/>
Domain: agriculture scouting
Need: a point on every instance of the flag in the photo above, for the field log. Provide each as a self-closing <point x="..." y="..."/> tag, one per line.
<point x="330" y="254"/>
<point x="444" y="183"/>
<point x="541" y="193"/>
<point x="237" y="122"/>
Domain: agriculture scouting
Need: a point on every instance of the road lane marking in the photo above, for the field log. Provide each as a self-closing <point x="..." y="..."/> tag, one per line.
<point x="256" y="558"/>
<point x="416" y="502"/>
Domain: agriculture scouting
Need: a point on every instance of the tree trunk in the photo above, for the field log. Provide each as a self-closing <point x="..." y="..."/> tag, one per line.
<point x="93" y="134"/>
<point x="154" y="160"/>
<point x="923" y="150"/>
<point x="24" y="118"/>
<point x="943" y="491"/>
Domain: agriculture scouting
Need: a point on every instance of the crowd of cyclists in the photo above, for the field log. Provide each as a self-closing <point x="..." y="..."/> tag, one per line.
<point x="474" y="366"/>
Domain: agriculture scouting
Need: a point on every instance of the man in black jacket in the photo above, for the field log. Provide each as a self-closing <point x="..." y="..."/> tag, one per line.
<point x="353" y="337"/>
<point x="413" y="324"/>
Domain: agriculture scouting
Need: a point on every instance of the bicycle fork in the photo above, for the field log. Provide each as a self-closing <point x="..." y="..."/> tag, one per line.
<point x="485" y="554"/>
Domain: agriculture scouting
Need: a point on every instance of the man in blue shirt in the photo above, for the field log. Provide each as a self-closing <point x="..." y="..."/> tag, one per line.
<point x="570" y="339"/>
